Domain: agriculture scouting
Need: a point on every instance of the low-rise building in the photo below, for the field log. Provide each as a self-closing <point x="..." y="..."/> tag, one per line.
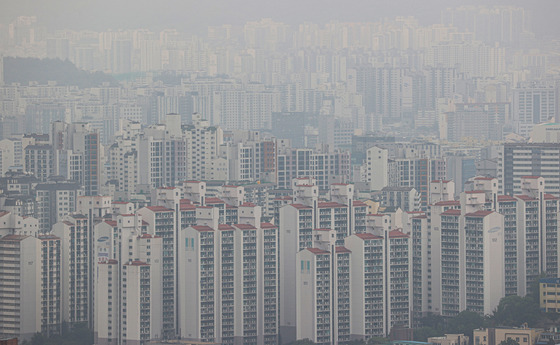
<point x="450" y="339"/>
<point x="549" y="292"/>
<point x="494" y="336"/>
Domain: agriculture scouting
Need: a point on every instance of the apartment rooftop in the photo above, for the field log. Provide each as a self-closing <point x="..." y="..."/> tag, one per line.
<point x="318" y="251"/>
<point x="159" y="209"/>
<point x="479" y="213"/>
<point x="368" y="236"/>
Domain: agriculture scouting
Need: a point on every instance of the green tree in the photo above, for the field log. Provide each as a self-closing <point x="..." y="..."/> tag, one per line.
<point x="423" y="333"/>
<point x="377" y="341"/>
<point x="38" y="339"/>
<point x="433" y="321"/>
<point x="465" y="322"/>
<point x="79" y="334"/>
<point x="515" y="310"/>
<point x="303" y="342"/>
<point x="509" y="341"/>
<point x="356" y="342"/>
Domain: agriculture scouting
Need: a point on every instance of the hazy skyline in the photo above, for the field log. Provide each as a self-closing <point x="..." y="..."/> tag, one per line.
<point x="197" y="15"/>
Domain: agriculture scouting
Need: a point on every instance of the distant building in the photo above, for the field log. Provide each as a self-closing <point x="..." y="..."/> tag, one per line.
<point x="546" y="133"/>
<point x="478" y="121"/>
<point x="77" y="154"/>
<point x="405" y="198"/>
<point x="377" y="168"/>
<point x="54" y="201"/>
<point x="460" y="168"/>
<point x="486" y="167"/>
<point x="528" y="159"/>
<point x="534" y="102"/>
<point x="38" y="160"/>
<point x="290" y="125"/>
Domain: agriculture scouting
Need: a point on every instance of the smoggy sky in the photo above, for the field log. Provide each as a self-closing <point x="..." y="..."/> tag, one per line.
<point x="191" y="15"/>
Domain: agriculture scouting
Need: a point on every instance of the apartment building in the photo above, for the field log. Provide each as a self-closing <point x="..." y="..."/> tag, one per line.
<point x="534" y="102"/>
<point x="531" y="227"/>
<point x="360" y="293"/>
<point x="13" y="224"/>
<point x="38" y="161"/>
<point x="325" y="166"/>
<point x="367" y="285"/>
<point x="76" y="154"/>
<point x="125" y="239"/>
<point x="162" y="222"/>
<point x="202" y="144"/>
<point x="107" y="307"/>
<point x="75" y="236"/>
<point x="55" y="201"/>
<point x="405" y="198"/>
<point x="31" y="286"/>
<point x="233" y="272"/>
<point x="471" y="278"/>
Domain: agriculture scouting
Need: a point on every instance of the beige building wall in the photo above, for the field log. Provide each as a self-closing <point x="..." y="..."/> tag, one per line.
<point x="494" y="336"/>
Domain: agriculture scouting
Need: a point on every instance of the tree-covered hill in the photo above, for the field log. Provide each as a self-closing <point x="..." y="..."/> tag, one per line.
<point x="25" y="70"/>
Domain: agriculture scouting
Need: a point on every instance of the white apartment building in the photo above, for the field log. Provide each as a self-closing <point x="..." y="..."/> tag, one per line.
<point x="323" y="290"/>
<point x="296" y="228"/>
<point x="55" y="201"/>
<point x="122" y="158"/>
<point x="537" y="229"/>
<point x="398" y="280"/>
<point x="136" y="299"/>
<point x="531" y="227"/>
<point x="367" y="274"/>
<point x="363" y="292"/>
<point x="75" y="236"/>
<point x="468" y="269"/>
<point x="107" y="306"/>
<point x="125" y="239"/>
<point x="76" y="154"/>
<point x="325" y="166"/>
<point x="11" y="155"/>
<point x="51" y="292"/>
<point x="534" y="102"/>
<point x="405" y="198"/>
<point x="298" y="220"/>
<point x="161" y="222"/>
<point x="202" y="145"/>
<point x="195" y="191"/>
<point x="165" y="154"/>
<point x="516" y="160"/>
<point x="31" y="286"/>
<point x="13" y="224"/>
<point x="233" y="272"/>
<point x="243" y="109"/>
<point x="421" y="269"/>
<point x="38" y="160"/>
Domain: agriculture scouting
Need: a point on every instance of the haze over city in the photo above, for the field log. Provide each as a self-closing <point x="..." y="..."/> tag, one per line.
<point x="280" y="172"/>
<point x="197" y="15"/>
